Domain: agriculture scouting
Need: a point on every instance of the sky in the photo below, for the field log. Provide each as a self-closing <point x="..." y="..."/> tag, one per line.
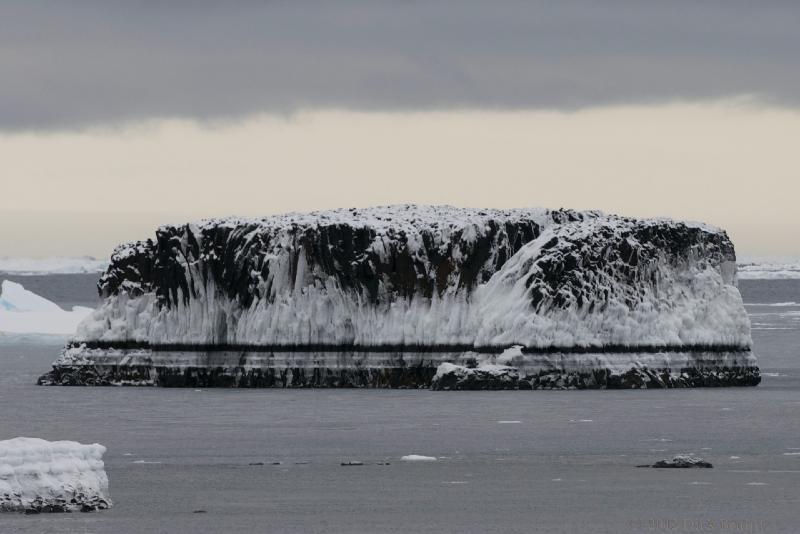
<point x="116" y="117"/>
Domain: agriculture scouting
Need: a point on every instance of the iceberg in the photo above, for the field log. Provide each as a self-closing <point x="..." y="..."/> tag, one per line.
<point x="24" y="312"/>
<point x="52" y="476"/>
<point x="382" y="297"/>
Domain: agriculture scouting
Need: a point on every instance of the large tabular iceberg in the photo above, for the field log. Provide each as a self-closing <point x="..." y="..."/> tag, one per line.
<point x="383" y="296"/>
<point x="52" y="476"/>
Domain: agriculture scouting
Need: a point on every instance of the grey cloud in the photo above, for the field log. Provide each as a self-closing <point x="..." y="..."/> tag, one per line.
<point x="72" y="64"/>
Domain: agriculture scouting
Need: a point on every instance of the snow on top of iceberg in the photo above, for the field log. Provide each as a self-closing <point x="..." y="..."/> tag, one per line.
<point x="18" y="451"/>
<point x="414" y="217"/>
<point x="25" y="312"/>
<point x="410" y="216"/>
<point x="41" y="475"/>
<point x="54" y="265"/>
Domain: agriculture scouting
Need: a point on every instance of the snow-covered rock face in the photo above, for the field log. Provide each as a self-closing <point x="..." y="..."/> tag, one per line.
<point x="427" y="276"/>
<point x="59" y="476"/>
<point x="405" y="280"/>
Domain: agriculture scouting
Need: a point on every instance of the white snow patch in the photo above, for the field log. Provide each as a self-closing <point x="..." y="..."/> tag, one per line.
<point x="55" y="265"/>
<point x="24" y="312"/>
<point x="418" y="458"/>
<point x="33" y="469"/>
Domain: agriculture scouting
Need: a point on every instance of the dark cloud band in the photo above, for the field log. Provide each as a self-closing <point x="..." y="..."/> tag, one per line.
<point x="70" y="64"/>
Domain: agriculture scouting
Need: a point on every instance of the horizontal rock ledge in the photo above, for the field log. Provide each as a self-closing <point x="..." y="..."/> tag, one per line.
<point x="376" y="369"/>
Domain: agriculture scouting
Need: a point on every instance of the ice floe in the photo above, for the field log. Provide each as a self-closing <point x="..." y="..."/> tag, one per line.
<point x="418" y="458"/>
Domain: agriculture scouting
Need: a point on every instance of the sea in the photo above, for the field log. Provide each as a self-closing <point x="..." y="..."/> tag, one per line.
<point x="184" y="461"/>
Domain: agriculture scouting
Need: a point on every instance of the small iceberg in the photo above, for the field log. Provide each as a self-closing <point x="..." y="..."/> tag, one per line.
<point x="39" y="476"/>
<point x="418" y="458"/>
<point x="25" y="312"/>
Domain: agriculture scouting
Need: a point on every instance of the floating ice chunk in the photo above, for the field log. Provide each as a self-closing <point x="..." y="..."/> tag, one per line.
<point x="418" y="458"/>
<point x="58" y="476"/>
<point x="508" y="422"/>
<point x="24" y="312"/>
<point x="14" y="297"/>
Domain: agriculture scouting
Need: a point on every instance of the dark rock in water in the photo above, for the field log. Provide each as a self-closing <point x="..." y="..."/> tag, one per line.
<point x="256" y="463"/>
<point x="352" y="463"/>
<point x="453" y="377"/>
<point x="682" y="461"/>
<point x="382" y="297"/>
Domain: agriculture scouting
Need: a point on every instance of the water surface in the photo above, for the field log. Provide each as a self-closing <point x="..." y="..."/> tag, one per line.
<point x="509" y="461"/>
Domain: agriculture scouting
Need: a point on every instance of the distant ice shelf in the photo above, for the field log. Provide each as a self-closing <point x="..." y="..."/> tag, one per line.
<point x="769" y="268"/>
<point x="52" y="265"/>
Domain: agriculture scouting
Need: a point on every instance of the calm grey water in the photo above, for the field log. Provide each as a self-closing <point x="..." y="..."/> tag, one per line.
<point x="567" y="465"/>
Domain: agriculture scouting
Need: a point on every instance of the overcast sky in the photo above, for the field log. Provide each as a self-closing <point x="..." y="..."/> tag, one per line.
<point x="85" y="88"/>
<point x="68" y="64"/>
